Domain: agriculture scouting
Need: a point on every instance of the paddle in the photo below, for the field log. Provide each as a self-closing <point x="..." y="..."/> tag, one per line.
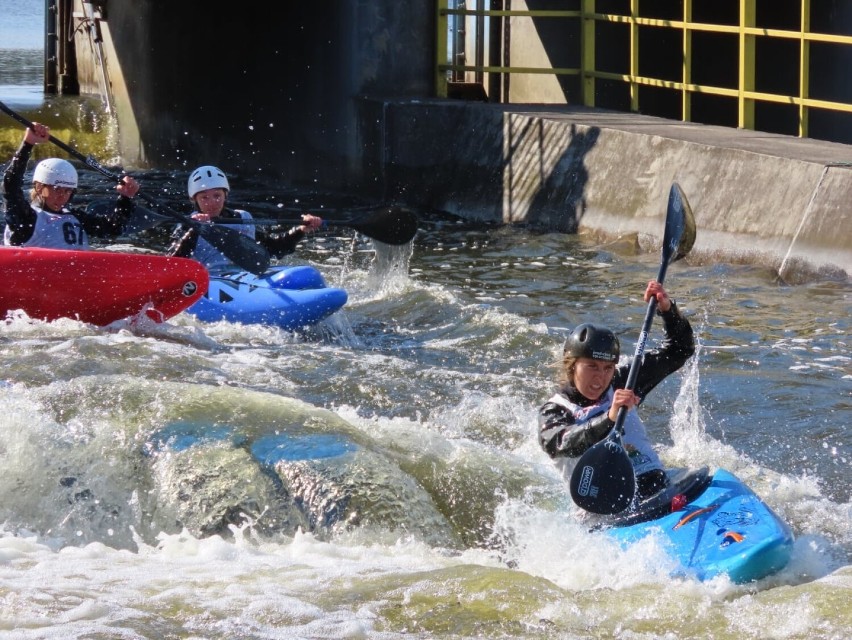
<point x="390" y="224"/>
<point x="239" y="248"/>
<point x="603" y="480"/>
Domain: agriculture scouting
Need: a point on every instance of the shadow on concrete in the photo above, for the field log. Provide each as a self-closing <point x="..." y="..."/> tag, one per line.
<point x="558" y="201"/>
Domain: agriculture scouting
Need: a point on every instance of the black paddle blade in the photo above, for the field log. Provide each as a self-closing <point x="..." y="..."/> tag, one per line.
<point x="393" y="225"/>
<point x="680" y="226"/>
<point x="244" y="252"/>
<point x="603" y="480"/>
<point x="141" y="219"/>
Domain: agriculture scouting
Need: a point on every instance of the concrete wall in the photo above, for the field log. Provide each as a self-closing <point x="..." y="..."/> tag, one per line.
<point x="775" y="200"/>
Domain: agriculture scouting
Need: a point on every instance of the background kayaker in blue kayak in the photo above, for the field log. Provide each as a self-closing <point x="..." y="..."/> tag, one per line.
<point x="208" y="190"/>
<point x="45" y="219"/>
<point x="591" y="389"/>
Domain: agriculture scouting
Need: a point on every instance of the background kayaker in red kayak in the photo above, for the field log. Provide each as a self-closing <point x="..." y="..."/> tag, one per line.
<point x="45" y="219"/>
<point x="591" y="390"/>
<point x="208" y="189"/>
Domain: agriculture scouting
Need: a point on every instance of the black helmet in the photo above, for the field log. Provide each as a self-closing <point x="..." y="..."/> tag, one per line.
<point x="589" y="341"/>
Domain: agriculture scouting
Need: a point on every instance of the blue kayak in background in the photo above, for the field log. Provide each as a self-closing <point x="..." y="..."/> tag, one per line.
<point x="713" y="525"/>
<point x="288" y="297"/>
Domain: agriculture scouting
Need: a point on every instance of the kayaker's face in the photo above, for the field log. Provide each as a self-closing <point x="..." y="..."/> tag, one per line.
<point x="593" y="377"/>
<point x="55" y="198"/>
<point x="211" y="201"/>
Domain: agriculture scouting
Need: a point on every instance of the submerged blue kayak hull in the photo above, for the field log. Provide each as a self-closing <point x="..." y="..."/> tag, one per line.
<point x="724" y="528"/>
<point x="267" y="449"/>
<point x="288" y="297"/>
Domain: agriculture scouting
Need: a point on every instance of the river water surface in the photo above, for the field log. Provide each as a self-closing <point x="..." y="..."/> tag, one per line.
<point x="410" y="498"/>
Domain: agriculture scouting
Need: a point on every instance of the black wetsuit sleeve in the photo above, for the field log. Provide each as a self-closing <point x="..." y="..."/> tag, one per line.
<point x="20" y="216"/>
<point x="107" y="225"/>
<point x="281" y="244"/>
<point x="677" y="347"/>
<point x="560" y="435"/>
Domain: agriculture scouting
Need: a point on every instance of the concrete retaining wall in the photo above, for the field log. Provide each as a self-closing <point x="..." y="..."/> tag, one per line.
<point x="759" y="198"/>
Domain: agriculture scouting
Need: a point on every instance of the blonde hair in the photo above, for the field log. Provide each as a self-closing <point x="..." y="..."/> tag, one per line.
<point x="565" y="374"/>
<point x="35" y="194"/>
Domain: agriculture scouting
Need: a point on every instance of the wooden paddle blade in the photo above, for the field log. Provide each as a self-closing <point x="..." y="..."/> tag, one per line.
<point x="392" y="225"/>
<point x="603" y="480"/>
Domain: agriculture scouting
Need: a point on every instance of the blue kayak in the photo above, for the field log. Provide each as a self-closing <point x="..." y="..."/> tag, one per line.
<point x="712" y="524"/>
<point x="268" y="450"/>
<point x="288" y="297"/>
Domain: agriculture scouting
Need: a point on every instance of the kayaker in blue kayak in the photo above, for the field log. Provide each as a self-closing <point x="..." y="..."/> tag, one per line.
<point x="208" y="189"/>
<point x="45" y="219"/>
<point x="591" y="389"/>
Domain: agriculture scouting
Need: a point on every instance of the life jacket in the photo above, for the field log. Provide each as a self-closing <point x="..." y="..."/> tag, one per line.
<point x="61" y="230"/>
<point x="635" y="440"/>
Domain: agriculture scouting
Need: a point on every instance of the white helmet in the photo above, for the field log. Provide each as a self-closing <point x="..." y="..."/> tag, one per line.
<point x="56" y="172"/>
<point x="206" y="177"/>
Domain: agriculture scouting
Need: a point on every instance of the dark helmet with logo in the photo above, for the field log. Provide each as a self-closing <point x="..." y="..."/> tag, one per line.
<point x="589" y="341"/>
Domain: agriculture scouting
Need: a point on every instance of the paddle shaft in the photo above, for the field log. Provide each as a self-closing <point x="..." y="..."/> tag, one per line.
<point x="640" y="346"/>
<point x="274" y="221"/>
<point x="89" y="161"/>
<point x="678" y="239"/>
<point x="388" y="224"/>
<point x="294" y="218"/>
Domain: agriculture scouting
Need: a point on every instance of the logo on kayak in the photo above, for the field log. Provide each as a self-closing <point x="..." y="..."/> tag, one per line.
<point x="731" y="537"/>
<point x="743" y="517"/>
<point x="586" y="487"/>
<point x="189" y="289"/>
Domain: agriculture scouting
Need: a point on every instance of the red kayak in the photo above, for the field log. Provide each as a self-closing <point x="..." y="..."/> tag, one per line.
<point x="98" y="287"/>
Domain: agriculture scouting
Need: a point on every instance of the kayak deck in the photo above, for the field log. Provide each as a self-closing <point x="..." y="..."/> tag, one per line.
<point x="718" y="526"/>
<point x="288" y="297"/>
<point x="97" y="287"/>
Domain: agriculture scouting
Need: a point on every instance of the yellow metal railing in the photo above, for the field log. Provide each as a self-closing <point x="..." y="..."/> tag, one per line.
<point x="746" y="32"/>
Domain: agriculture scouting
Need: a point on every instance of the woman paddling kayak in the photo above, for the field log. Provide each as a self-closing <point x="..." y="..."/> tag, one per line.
<point x="46" y="219"/>
<point x="208" y="189"/>
<point x="591" y="391"/>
